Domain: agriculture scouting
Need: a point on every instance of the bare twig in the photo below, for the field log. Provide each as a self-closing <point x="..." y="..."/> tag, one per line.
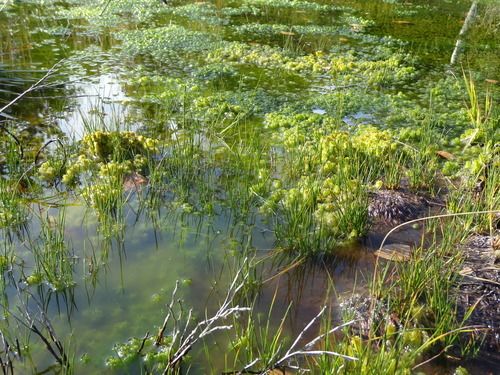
<point x="161" y="332"/>
<point x="304" y="351"/>
<point x="209" y="325"/>
<point x="50" y="339"/>
<point x="31" y="88"/>
<point x="182" y="337"/>
<point x="435" y="217"/>
<point x="143" y="342"/>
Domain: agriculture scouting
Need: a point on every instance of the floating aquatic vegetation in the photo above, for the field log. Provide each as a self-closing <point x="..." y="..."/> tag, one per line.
<point x="92" y="14"/>
<point x="164" y="43"/>
<point x="241" y="10"/>
<point x="201" y="12"/>
<point x="261" y="29"/>
<point x="294" y="130"/>
<point x="358" y="23"/>
<point x="347" y="69"/>
<point x="260" y="55"/>
<point x="174" y="94"/>
<point x="129" y="352"/>
<point x="230" y="105"/>
<point x="215" y="72"/>
<point x="295" y="5"/>
<point x="114" y="12"/>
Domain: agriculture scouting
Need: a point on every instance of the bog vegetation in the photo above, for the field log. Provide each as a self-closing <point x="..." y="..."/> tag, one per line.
<point x="205" y="187"/>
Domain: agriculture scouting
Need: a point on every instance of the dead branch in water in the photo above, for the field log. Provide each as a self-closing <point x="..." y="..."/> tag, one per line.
<point x="184" y="339"/>
<point x="292" y="353"/>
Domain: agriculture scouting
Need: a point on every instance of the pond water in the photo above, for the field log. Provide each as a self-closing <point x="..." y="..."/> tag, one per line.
<point x="140" y="65"/>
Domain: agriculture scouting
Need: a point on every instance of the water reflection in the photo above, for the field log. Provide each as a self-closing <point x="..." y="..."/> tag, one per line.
<point x="102" y="98"/>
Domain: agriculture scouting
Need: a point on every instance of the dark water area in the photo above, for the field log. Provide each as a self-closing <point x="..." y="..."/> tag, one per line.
<point x="97" y="74"/>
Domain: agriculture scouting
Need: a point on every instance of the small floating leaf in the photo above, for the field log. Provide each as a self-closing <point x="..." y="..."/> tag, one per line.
<point x="402" y="22"/>
<point x="445" y="155"/>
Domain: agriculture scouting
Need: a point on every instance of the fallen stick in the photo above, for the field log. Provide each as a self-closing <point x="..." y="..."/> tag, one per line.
<point x="31" y="88"/>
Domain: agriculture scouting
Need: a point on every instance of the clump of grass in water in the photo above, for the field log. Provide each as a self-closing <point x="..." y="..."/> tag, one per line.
<point x="478" y="176"/>
<point x="14" y="181"/>
<point x="13" y="211"/>
<point x="419" y="295"/>
<point x="419" y="321"/>
<point x="53" y="259"/>
<point x="258" y="348"/>
<point x="257" y="341"/>
<point x="322" y="198"/>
